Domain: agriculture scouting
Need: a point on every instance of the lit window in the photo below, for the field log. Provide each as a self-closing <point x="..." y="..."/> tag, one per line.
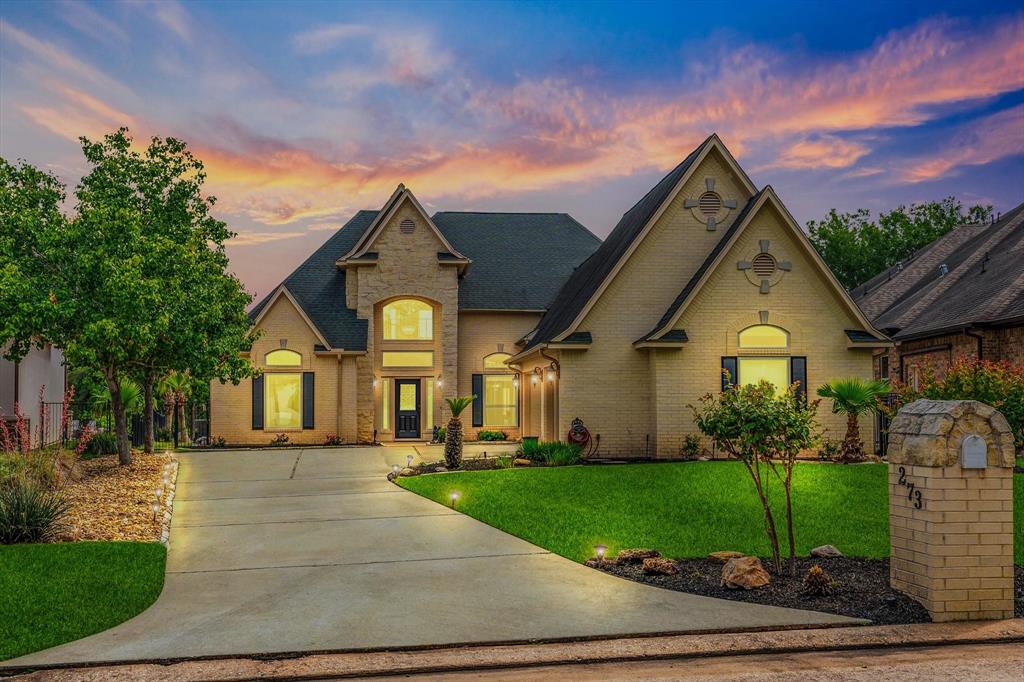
<point x="774" y="370"/>
<point x="496" y="361"/>
<point x="283" y="400"/>
<point x="430" y="404"/>
<point x="499" y="400"/>
<point x="408" y="320"/>
<point x="283" y="358"/>
<point x="407" y="358"/>
<point x="385" y="404"/>
<point x="764" y="336"/>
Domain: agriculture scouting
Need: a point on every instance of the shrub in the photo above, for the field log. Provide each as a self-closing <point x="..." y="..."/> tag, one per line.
<point x="561" y="454"/>
<point x="999" y="384"/>
<point x="332" y="440"/>
<point x="506" y="461"/>
<point x="492" y="435"/>
<point x="691" y="448"/>
<point x="439" y="432"/>
<point x="28" y="513"/>
<point x="280" y="439"/>
<point x="829" y="451"/>
<point x="101" y="444"/>
<point x="218" y="442"/>
<point x="554" y="453"/>
<point x="818" y="582"/>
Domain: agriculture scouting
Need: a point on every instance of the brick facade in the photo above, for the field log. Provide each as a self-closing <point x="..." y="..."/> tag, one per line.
<point x="907" y="359"/>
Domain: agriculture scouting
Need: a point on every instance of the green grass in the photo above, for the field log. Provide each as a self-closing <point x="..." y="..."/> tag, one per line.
<point x="51" y="594"/>
<point x="682" y="509"/>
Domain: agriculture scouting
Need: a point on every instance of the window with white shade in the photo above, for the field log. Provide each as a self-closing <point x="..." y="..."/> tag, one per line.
<point x="408" y="319"/>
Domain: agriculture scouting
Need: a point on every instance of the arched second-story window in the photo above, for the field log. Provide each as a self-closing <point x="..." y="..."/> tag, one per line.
<point x="764" y="336"/>
<point x="496" y="361"/>
<point x="408" y="319"/>
<point x="283" y="358"/>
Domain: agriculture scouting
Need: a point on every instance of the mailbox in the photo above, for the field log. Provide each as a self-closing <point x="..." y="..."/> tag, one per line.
<point x="973" y="453"/>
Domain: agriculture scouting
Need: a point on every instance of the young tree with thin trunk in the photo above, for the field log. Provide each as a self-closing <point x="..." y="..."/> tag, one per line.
<point x="765" y="431"/>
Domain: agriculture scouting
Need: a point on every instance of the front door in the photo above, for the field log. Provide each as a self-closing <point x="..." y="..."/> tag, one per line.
<point x="407" y="408"/>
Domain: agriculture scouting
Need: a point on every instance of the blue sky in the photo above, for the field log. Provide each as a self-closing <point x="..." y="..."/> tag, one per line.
<point x="306" y="112"/>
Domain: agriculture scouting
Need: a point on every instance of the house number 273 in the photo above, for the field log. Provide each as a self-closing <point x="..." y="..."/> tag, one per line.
<point x="913" y="494"/>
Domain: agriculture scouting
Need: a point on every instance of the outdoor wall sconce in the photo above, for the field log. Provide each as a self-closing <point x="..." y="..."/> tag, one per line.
<point x="551" y="375"/>
<point x="376" y="382"/>
<point x="440" y="381"/>
<point x="515" y="380"/>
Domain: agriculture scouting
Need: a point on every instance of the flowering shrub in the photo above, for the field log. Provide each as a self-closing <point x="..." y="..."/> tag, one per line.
<point x="999" y="384"/>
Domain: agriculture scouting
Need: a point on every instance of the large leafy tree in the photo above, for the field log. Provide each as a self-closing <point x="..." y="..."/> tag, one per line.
<point x="857" y="248"/>
<point x="135" y="284"/>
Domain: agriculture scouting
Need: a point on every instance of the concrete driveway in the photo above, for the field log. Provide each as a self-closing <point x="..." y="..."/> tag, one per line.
<point x="313" y="550"/>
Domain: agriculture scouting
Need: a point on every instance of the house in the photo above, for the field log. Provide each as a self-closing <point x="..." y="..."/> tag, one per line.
<point x="960" y="296"/>
<point x="545" y="323"/>
<point x="42" y="369"/>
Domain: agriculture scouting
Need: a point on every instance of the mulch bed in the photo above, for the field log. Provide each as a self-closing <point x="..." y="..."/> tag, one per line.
<point x="113" y="502"/>
<point x="862" y="589"/>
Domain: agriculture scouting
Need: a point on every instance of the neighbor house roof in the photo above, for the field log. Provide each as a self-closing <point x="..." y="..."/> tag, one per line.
<point x="977" y="281"/>
<point x="519" y="262"/>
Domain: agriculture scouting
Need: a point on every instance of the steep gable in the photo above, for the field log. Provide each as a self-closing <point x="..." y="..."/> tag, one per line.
<point x="764" y="202"/>
<point x="588" y="282"/>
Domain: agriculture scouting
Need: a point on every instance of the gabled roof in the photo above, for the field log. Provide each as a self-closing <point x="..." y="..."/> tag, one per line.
<point x="714" y="259"/>
<point x="369" y="236"/>
<point x="592" y="276"/>
<point x="318" y="287"/>
<point x="981" y="283"/>
<point x="520" y="260"/>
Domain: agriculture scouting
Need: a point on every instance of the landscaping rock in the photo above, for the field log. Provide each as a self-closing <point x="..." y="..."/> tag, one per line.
<point x="635" y="556"/>
<point x="407" y="471"/>
<point x="392" y="475"/>
<point x="825" y="551"/>
<point x="600" y="563"/>
<point x="744" y="572"/>
<point x="723" y="557"/>
<point x="521" y="462"/>
<point x="659" y="566"/>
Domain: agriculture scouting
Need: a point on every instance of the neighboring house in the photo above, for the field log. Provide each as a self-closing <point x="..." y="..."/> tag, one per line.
<point x="545" y="323"/>
<point x="20" y="382"/>
<point x="960" y="296"/>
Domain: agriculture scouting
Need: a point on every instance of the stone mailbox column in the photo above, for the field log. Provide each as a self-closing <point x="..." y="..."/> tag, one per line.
<point x="951" y="508"/>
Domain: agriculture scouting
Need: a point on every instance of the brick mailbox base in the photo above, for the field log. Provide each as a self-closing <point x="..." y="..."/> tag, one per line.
<point x="951" y="509"/>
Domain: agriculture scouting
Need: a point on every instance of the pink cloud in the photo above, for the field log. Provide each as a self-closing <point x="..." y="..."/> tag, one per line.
<point x="982" y="141"/>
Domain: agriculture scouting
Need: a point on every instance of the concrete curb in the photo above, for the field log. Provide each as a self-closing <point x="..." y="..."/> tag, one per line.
<point x="493" y="657"/>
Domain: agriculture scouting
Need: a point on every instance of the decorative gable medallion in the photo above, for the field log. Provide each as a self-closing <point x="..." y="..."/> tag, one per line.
<point x="710" y="208"/>
<point x="763" y="269"/>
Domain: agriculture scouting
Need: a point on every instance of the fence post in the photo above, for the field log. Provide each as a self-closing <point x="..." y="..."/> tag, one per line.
<point x="951" y="508"/>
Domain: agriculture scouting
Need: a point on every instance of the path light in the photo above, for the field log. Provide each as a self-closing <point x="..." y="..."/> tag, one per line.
<point x="156" y="508"/>
<point x="599" y="552"/>
<point x="395" y="468"/>
<point x="455" y="497"/>
<point x="408" y="461"/>
<point x="158" y="492"/>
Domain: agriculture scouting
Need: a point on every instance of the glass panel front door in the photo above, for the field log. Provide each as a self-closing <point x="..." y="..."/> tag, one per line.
<point x="407" y="408"/>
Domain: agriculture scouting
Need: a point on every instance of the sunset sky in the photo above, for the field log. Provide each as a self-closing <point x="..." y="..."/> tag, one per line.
<point x="307" y="112"/>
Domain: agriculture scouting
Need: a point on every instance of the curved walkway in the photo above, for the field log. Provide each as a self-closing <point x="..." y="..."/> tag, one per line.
<point x="279" y="551"/>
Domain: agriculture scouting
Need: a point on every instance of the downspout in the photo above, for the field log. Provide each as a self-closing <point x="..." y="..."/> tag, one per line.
<point x="980" y="339"/>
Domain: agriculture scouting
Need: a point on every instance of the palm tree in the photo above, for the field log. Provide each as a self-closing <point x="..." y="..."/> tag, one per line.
<point x="853" y="397"/>
<point x="176" y="388"/>
<point x="453" y="432"/>
<point x="131" y="398"/>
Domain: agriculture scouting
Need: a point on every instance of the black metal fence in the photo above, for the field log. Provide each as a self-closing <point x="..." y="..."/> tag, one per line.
<point x="882" y="425"/>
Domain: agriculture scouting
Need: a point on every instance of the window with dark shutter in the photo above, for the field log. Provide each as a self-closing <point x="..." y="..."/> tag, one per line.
<point x="798" y="373"/>
<point x="478" y="402"/>
<point x="307" y="400"/>
<point x="257" y="403"/>
<point x="729" y="365"/>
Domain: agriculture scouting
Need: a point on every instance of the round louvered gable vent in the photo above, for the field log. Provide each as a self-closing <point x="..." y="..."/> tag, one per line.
<point x="407" y="226"/>
<point x="709" y="203"/>
<point x="763" y="265"/>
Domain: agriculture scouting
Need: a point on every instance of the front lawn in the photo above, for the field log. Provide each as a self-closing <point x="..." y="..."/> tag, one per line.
<point x="683" y="509"/>
<point x="56" y="593"/>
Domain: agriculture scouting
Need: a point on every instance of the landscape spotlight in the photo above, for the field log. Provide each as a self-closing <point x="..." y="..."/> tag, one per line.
<point x="599" y="552"/>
